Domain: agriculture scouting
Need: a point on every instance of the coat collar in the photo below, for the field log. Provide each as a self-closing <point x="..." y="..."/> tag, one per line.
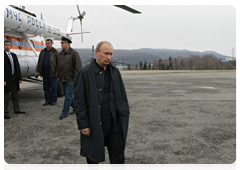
<point x="6" y="52"/>
<point x="52" y="49"/>
<point x="96" y="68"/>
<point x="68" y="51"/>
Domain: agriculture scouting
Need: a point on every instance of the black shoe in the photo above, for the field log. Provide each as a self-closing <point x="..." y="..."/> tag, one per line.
<point x="6" y="116"/>
<point x="53" y="104"/>
<point x="62" y="117"/>
<point x="20" y="112"/>
<point x="72" y="113"/>
<point x="45" y="104"/>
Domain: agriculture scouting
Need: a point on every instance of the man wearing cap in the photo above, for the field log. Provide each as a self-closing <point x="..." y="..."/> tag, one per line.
<point x="101" y="108"/>
<point x="47" y="69"/>
<point x="68" y="64"/>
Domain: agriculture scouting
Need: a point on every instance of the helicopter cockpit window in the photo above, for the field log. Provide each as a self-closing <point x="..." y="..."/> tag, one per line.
<point x="8" y="38"/>
<point x="19" y="43"/>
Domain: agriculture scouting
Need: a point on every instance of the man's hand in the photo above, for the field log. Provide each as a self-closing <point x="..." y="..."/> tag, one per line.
<point x="20" y="81"/>
<point x="5" y="83"/>
<point x="86" y="131"/>
<point x="38" y="73"/>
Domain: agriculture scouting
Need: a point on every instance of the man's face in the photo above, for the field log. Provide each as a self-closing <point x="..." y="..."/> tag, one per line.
<point x="49" y="44"/>
<point x="7" y="46"/>
<point x="104" y="56"/>
<point x="65" y="46"/>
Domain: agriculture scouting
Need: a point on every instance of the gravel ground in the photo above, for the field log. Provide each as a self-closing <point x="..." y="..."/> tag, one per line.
<point x="177" y="117"/>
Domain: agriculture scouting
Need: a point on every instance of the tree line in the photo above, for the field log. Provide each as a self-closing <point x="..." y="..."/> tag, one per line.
<point x="194" y="62"/>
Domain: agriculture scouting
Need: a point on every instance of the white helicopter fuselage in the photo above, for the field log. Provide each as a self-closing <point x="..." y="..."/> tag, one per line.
<point x="28" y="34"/>
<point x="26" y="57"/>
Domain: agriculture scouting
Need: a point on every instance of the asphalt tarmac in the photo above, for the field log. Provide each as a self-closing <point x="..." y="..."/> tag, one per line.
<point x="177" y="117"/>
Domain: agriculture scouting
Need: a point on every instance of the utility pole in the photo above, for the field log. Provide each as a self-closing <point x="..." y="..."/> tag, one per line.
<point x="92" y="57"/>
<point x="232" y="54"/>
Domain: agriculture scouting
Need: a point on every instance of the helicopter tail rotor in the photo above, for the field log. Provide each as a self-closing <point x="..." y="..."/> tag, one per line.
<point x="81" y="15"/>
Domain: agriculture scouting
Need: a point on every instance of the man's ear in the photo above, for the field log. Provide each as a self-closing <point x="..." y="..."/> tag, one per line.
<point x="96" y="51"/>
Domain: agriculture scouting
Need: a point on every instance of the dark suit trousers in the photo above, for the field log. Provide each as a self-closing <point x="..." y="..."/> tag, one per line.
<point x="115" y="155"/>
<point x="49" y="86"/>
<point x="15" y="98"/>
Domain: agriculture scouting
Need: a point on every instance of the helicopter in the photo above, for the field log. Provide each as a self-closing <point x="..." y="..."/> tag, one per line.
<point x="28" y="33"/>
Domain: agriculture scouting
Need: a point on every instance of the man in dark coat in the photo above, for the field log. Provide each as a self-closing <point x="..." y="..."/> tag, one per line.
<point x="46" y="68"/>
<point x="12" y="79"/>
<point x="101" y="108"/>
<point x="68" y="64"/>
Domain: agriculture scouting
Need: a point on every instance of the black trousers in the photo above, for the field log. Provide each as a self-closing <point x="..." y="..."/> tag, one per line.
<point x="15" y="98"/>
<point x="115" y="155"/>
<point x="49" y="86"/>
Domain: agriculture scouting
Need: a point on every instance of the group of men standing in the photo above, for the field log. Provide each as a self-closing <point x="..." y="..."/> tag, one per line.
<point x="52" y="66"/>
<point x="96" y="92"/>
<point x="62" y="66"/>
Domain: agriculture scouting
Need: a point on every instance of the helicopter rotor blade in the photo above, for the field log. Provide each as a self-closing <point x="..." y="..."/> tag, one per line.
<point x="127" y="8"/>
<point x="78" y="10"/>
<point x="81" y="29"/>
<point x="80" y="17"/>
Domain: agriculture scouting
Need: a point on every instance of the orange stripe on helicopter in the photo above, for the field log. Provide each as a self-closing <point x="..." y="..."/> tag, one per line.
<point x="25" y="46"/>
<point x="15" y="47"/>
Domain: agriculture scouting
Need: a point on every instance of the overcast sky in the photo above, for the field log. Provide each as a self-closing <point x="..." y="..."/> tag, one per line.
<point x="197" y="28"/>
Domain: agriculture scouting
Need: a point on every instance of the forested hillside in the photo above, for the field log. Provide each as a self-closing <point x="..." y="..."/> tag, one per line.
<point x="145" y="54"/>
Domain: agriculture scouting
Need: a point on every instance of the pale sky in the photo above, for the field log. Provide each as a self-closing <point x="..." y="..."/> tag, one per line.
<point x="190" y="27"/>
<point x="197" y="28"/>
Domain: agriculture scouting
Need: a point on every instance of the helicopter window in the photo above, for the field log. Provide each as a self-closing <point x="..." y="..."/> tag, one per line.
<point x="19" y="43"/>
<point x="8" y="38"/>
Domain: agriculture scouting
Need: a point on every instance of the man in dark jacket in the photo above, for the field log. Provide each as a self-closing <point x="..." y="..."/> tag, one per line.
<point x="12" y="79"/>
<point x="101" y="108"/>
<point x="47" y="69"/>
<point x="68" y="64"/>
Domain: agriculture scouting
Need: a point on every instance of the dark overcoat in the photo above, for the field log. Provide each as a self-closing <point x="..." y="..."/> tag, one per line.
<point x="88" y="96"/>
<point x="68" y="65"/>
<point x="8" y="72"/>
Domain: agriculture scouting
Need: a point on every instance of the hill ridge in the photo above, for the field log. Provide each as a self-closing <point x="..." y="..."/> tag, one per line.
<point x="134" y="56"/>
